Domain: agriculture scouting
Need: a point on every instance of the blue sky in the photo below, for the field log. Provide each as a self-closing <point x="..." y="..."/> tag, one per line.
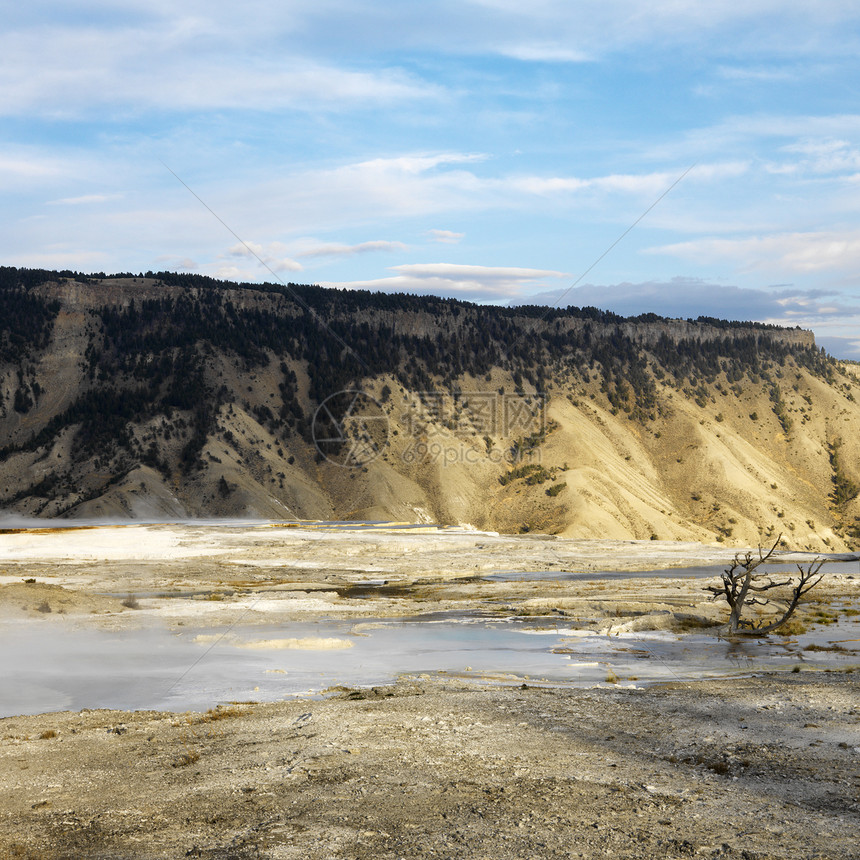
<point x="487" y="149"/>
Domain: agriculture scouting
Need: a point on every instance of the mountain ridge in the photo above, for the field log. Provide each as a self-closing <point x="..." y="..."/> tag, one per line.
<point x="177" y="395"/>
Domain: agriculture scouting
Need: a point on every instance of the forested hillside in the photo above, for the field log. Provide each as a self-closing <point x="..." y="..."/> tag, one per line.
<point x="176" y="395"/>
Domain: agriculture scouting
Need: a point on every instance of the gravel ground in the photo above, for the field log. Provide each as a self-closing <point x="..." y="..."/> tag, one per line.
<point x="763" y="767"/>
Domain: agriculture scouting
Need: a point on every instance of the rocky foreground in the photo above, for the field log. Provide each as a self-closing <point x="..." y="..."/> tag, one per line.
<point x="758" y="767"/>
<point x="764" y="767"/>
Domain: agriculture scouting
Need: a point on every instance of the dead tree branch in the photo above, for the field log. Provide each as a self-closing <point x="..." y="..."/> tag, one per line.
<point x="742" y="587"/>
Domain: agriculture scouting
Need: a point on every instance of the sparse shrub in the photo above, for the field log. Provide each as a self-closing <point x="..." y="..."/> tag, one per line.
<point x="533" y="473"/>
<point x="794" y="627"/>
<point x="219" y="712"/>
<point x="186" y="758"/>
<point x="131" y="602"/>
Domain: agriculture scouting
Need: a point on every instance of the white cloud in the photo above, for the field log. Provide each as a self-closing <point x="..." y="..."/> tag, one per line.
<point x="798" y="253"/>
<point x="413" y="165"/>
<point x="759" y="133"/>
<point x="62" y="258"/>
<point x="237" y="273"/>
<point x="66" y="72"/>
<point x="474" y="283"/>
<point x="84" y="199"/>
<point x="597" y="27"/>
<point x="769" y="74"/>
<point x="824" y="156"/>
<point x="547" y="184"/>
<point x="271" y="256"/>
<point x="545" y="52"/>
<point x="31" y="169"/>
<point x="129" y="57"/>
<point x="333" y="250"/>
<point x="367" y="192"/>
<point x="154" y="56"/>
<point x="627" y="183"/>
<point x="171" y="264"/>
<point x="446" y="237"/>
<point x="416" y="185"/>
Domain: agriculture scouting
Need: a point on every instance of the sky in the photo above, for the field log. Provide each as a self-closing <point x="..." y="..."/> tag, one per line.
<point x="678" y="157"/>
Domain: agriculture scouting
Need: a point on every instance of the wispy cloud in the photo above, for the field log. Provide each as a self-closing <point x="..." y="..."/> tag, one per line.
<point x="84" y="200"/>
<point x="825" y="156"/>
<point x="172" y="264"/>
<point x="799" y="253"/>
<point x="474" y="283"/>
<point x="84" y="69"/>
<point x="63" y="258"/>
<point x="593" y="29"/>
<point x="424" y="184"/>
<point x="627" y="183"/>
<point x="13" y="166"/>
<point x="544" y="52"/>
<point x="334" y="250"/>
<point x="272" y="255"/>
<point x="446" y="237"/>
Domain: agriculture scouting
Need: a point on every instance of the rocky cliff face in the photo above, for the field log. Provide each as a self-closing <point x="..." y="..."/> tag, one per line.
<point x="158" y="398"/>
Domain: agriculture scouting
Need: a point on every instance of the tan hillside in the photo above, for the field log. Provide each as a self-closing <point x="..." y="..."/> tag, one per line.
<point x="133" y="397"/>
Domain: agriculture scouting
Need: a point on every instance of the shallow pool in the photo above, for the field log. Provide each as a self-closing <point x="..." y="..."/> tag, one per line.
<point x="49" y="667"/>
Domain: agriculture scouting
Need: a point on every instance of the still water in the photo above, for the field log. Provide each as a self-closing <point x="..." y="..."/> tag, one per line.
<point x="54" y="668"/>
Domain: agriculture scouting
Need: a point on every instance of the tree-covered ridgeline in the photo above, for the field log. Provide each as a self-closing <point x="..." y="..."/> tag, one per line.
<point x="153" y="356"/>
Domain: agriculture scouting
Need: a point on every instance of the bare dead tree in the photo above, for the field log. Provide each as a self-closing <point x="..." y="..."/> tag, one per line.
<point x="742" y="587"/>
